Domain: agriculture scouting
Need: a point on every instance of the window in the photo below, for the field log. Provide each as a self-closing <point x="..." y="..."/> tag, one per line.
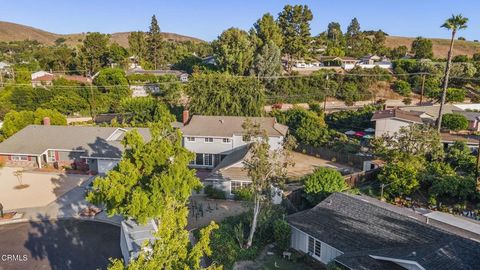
<point x="208" y="140"/>
<point x="20" y="158"/>
<point x="51" y="156"/>
<point x="314" y="247"/>
<point x="191" y="139"/>
<point x="226" y="140"/>
<point x="208" y="159"/>
<point x="239" y="184"/>
<point x="199" y="159"/>
<point x="246" y="138"/>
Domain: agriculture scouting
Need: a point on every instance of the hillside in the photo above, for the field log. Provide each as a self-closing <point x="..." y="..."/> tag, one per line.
<point x="17" y="32"/>
<point x="440" y="46"/>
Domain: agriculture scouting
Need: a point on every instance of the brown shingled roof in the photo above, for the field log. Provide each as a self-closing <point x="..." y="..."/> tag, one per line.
<point x="399" y="114"/>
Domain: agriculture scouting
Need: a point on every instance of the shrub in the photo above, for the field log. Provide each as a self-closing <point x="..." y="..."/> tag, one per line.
<point x="282" y="233"/>
<point x="403" y="88"/>
<point x="454" y="121"/>
<point x="455" y="95"/>
<point x="243" y="194"/>
<point x="214" y="193"/>
<point x="322" y="182"/>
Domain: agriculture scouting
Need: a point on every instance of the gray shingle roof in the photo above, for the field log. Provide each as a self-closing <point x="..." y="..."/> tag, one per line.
<point x="35" y="139"/>
<point x="353" y="223"/>
<point x="227" y="126"/>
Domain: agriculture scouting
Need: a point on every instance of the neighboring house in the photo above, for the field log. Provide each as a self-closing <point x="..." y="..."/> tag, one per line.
<point x="219" y="144"/>
<point x="94" y="149"/>
<point x="359" y="232"/>
<point x="372" y="61"/>
<point x="209" y="60"/>
<point x="388" y="122"/>
<point x="182" y="75"/>
<point x="348" y="63"/>
<point x="133" y="236"/>
<point x="43" y="78"/>
<point x="144" y="90"/>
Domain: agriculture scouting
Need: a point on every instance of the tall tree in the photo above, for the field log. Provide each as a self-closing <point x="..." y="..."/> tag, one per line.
<point x="268" y="61"/>
<point x="455" y="23"/>
<point x="265" y="167"/>
<point x="234" y="51"/>
<point x="153" y="181"/>
<point x="353" y="28"/>
<point x="154" y="43"/>
<point x="334" y="33"/>
<point x="138" y="45"/>
<point x="94" y="52"/>
<point x="295" y="24"/>
<point x="266" y="29"/>
<point x="422" y="48"/>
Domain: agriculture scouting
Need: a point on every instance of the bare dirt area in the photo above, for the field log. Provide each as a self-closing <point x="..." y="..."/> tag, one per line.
<point x="306" y="164"/>
<point x="40" y="188"/>
<point x="216" y="210"/>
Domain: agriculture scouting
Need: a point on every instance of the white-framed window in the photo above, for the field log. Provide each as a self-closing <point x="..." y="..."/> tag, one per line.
<point x="51" y="156"/>
<point x="238" y="185"/>
<point x="190" y="139"/>
<point x="209" y="140"/>
<point x="20" y="158"/>
<point x="208" y="159"/>
<point x="314" y="247"/>
<point x="199" y="159"/>
<point x="226" y="140"/>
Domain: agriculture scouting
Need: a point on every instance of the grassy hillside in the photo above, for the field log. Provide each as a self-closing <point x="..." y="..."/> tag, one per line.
<point x="440" y="46"/>
<point x="17" y="32"/>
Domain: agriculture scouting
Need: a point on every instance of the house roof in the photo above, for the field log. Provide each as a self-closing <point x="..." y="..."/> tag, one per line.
<point x="155" y="72"/>
<point x="227" y="126"/>
<point x="447" y="137"/>
<point x="99" y="142"/>
<point x="44" y="78"/>
<point x="398" y="114"/>
<point x="361" y="227"/>
<point x="431" y="110"/>
<point x="471" y="116"/>
<point x="76" y="78"/>
<point x="226" y="170"/>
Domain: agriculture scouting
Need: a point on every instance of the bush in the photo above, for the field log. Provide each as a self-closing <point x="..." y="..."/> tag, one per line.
<point x="243" y="194"/>
<point x="214" y="193"/>
<point x="322" y="182"/>
<point x="454" y="121"/>
<point x="455" y="95"/>
<point x="282" y="233"/>
<point x="403" y="88"/>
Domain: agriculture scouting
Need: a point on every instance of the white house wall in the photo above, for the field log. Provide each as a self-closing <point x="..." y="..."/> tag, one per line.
<point x="389" y="126"/>
<point x="299" y="241"/>
<point x="215" y="147"/>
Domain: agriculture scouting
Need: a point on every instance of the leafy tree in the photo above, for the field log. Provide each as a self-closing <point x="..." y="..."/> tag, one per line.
<point x="456" y="187"/>
<point x="15" y="121"/>
<point x="432" y="88"/>
<point x="398" y="52"/>
<point x="265" y="168"/>
<point x="282" y="233"/>
<point x="113" y="82"/>
<point x="357" y="43"/>
<point x="94" y="52"/>
<point x="117" y="54"/>
<point x="460" y="58"/>
<point x="137" y="42"/>
<point x="455" y="23"/>
<point x="403" y="88"/>
<point x="422" y="48"/>
<point x="56" y="118"/>
<point x="460" y="157"/>
<point x="323" y="182"/>
<point x="268" y="61"/>
<point x="153" y="181"/>
<point x="295" y="24"/>
<point x="266" y="30"/>
<point x="349" y="93"/>
<point x="401" y="176"/>
<point x="154" y="44"/>
<point x="455" y="95"/>
<point x="142" y="111"/>
<point x="454" y="121"/>
<point x="221" y="94"/>
<point x="233" y="51"/>
<point x="334" y="33"/>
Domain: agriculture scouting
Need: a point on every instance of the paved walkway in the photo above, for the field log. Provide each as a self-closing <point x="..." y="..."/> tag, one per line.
<point x="66" y="206"/>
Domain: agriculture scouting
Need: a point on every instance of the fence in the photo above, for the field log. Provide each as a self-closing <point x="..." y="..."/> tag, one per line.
<point x="352" y="160"/>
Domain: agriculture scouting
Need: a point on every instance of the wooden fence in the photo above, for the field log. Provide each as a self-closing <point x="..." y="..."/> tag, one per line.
<point x="352" y="160"/>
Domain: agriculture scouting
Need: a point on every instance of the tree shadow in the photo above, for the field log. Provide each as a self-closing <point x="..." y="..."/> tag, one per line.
<point x="72" y="244"/>
<point x="104" y="148"/>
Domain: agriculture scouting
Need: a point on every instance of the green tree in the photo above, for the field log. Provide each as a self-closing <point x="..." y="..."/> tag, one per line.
<point x="117" y="54"/>
<point x="460" y="157"/>
<point x="268" y="61"/>
<point x="401" y="177"/>
<point x="454" y="121"/>
<point x="265" y="168"/>
<point x="282" y="233"/>
<point x="114" y="84"/>
<point x="335" y="34"/>
<point x="56" y="118"/>
<point x="403" y="88"/>
<point x="154" y="44"/>
<point x="153" y="181"/>
<point x="222" y="94"/>
<point x="455" y="23"/>
<point x="144" y="110"/>
<point x="233" y="51"/>
<point x="94" y="52"/>
<point x="294" y="21"/>
<point x="455" y="95"/>
<point x="398" y="52"/>
<point x="422" y="48"/>
<point x="267" y="30"/>
<point x="323" y="182"/>
<point x="15" y="121"/>
<point x="137" y="42"/>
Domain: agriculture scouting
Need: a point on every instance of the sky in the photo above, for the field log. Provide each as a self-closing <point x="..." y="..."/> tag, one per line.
<point x="206" y="19"/>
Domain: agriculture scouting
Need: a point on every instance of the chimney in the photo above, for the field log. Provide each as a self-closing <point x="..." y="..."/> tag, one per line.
<point x="186" y="117"/>
<point x="46" y="121"/>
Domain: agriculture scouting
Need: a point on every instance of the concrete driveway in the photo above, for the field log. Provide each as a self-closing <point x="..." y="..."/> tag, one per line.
<point x="43" y="188"/>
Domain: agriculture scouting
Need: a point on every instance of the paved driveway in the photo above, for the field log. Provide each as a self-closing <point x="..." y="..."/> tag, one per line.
<point x="67" y="244"/>
<point x="43" y="188"/>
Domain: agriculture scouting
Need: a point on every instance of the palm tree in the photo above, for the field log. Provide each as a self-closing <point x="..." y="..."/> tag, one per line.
<point x="454" y="23"/>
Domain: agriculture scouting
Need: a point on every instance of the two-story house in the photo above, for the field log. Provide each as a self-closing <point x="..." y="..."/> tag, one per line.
<point x="220" y="145"/>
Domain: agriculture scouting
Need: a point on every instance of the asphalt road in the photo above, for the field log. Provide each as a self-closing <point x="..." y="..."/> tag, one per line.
<point x="67" y="244"/>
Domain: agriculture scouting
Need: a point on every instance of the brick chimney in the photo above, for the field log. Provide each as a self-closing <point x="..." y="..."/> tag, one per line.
<point x="46" y="121"/>
<point x="185" y="117"/>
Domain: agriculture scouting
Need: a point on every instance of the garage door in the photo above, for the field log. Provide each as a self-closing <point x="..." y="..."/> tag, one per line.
<point x="105" y="165"/>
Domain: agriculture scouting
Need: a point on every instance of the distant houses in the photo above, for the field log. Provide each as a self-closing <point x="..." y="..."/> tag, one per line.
<point x="144" y="88"/>
<point x="345" y="63"/>
<point x="44" y="78"/>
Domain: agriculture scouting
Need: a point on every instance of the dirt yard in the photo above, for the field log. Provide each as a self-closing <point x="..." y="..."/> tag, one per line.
<point x="305" y="164"/>
<point x="216" y="210"/>
<point x="39" y="189"/>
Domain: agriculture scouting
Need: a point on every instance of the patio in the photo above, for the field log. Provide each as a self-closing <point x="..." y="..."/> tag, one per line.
<point x="39" y="188"/>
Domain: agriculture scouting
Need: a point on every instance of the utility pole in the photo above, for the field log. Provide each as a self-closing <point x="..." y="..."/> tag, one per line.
<point x="478" y="161"/>
<point x="325" y="98"/>
<point x="423" y="88"/>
